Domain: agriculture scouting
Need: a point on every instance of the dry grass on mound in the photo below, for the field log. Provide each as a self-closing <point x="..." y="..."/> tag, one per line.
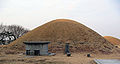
<point x="112" y="40"/>
<point x="60" y="31"/>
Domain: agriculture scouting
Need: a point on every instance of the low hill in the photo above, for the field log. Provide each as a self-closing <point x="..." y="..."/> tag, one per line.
<point x="113" y="40"/>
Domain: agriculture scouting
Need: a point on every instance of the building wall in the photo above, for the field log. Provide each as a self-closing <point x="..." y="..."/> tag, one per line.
<point x="42" y="47"/>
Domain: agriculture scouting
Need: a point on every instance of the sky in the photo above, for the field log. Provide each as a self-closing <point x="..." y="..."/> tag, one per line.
<point x="103" y="16"/>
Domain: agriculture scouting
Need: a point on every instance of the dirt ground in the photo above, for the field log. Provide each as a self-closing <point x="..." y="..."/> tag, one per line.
<point x="76" y="58"/>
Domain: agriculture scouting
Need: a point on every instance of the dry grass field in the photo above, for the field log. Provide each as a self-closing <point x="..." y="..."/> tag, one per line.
<point x="76" y="58"/>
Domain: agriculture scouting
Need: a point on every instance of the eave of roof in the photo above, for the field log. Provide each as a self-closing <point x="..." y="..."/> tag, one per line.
<point x="36" y="42"/>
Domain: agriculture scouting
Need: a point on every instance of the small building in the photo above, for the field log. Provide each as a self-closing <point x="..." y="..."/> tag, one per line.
<point x="37" y="47"/>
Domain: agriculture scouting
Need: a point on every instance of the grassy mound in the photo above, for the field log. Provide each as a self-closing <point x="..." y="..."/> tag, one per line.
<point x="61" y="31"/>
<point x="113" y="40"/>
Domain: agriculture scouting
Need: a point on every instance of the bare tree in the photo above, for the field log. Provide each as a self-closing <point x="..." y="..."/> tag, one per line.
<point x="10" y="33"/>
<point x="2" y="27"/>
<point x="18" y="31"/>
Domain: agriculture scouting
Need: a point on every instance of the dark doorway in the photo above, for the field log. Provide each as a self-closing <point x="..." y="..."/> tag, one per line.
<point x="36" y="52"/>
<point x="27" y="52"/>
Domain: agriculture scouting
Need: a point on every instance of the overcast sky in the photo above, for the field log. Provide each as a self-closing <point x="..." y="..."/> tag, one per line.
<point x="103" y="16"/>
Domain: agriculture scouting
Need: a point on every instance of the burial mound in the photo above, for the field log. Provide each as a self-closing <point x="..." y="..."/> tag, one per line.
<point x="61" y="31"/>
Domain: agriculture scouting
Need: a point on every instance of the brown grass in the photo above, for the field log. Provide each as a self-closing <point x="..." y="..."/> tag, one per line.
<point x="112" y="40"/>
<point x="60" y="31"/>
<point x="21" y="59"/>
<point x="76" y="58"/>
